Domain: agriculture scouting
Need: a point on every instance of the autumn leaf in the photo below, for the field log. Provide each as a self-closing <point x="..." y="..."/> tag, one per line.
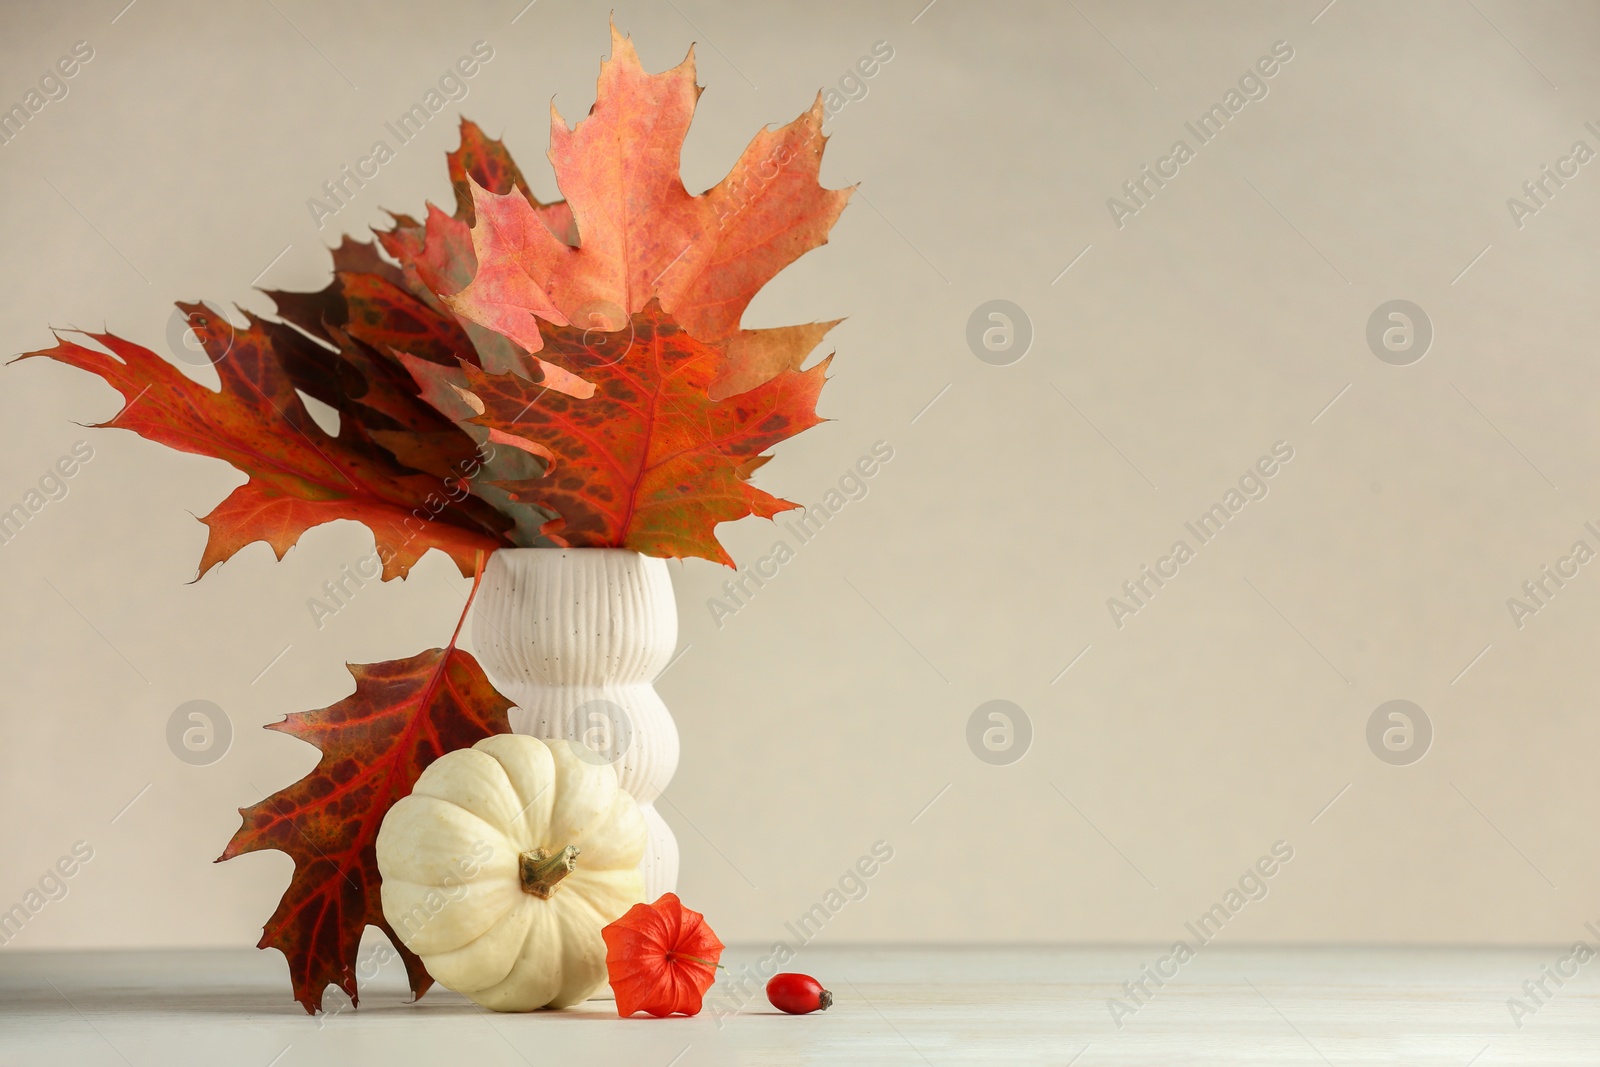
<point x="397" y="349"/>
<point x="379" y="325"/>
<point x="437" y="259"/>
<point x="299" y="476"/>
<point x="396" y="305"/>
<point x="643" y="236"/>
<point x="403" y="715"/>
<point x="355" y="337"/>
<point x="650" y="462"/>
<point x="661" y="958"/>
<point x="309" y="311"/>
<point x="384" y="315"/>
<point x="486" y="161"/>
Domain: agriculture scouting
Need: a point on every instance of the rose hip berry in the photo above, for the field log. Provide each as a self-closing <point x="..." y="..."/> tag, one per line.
<point x="798" y="994"/>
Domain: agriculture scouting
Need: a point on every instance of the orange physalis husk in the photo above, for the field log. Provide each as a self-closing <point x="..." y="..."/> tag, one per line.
<point x="661" y="958"/>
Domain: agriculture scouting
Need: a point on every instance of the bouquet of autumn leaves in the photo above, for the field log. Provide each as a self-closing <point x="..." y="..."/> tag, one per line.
<point x="512" y="373"/>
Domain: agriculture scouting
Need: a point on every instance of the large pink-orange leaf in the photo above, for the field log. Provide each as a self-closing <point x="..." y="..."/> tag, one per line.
<point x="491" y="166"/>
<point x="641" y="234"/>
<point x="437" y="257"/>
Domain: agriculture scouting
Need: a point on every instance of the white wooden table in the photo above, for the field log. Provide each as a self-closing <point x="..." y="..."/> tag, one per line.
<point x="892" y="1006"/>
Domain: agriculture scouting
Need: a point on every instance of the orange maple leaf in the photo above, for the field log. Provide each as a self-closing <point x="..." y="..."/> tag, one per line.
<point x="649" y="462"/>
<point x="299" y="475"/>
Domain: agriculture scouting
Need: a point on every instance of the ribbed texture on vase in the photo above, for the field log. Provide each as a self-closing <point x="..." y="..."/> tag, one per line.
<point x="575" y="637"/>
<point x="575" y="616"/>
<point x="645" y="752"/>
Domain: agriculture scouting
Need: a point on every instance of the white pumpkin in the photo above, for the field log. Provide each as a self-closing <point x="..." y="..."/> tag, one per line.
<point x="503" y="864"/>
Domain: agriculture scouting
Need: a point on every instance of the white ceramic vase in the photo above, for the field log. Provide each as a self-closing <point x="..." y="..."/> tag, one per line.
<point x="575" y="637"/>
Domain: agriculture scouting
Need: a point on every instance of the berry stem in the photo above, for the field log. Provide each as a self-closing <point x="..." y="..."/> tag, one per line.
<point x="694" y="959"/>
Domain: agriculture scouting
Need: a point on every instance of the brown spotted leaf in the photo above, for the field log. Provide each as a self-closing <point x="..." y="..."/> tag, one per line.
<point x="403" y="715"/>
<point x="386" y="315"/>
<point x="650" y="462"/>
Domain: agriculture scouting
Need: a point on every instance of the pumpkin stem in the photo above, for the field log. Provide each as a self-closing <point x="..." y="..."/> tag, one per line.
<point x="542" y="870"/>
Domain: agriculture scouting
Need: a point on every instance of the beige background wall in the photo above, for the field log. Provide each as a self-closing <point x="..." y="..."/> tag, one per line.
<point x="826" y="715"/>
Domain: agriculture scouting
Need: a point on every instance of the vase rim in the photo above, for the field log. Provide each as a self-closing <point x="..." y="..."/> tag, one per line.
<point x="564" y="551"/>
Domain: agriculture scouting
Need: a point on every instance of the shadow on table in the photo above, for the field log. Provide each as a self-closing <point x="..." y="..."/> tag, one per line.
<point x="71" y="1000"/>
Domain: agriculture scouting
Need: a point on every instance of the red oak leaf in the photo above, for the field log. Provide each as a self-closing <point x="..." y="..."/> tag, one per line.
<point x="396" y="349"/>
<point x="397" y="307"/>
<point x="661" y="958"/>
<point x="491" y="166"/>
<point x="299" y="476"/>
<point x="643" y="236"/>
<point x="649" y="462"/>
<point x="369" y="313"/>
<point x="436" y="256"/>
<point x="310" y="310"/>
<point x="386" y="315"/>
<point x="403" y="715"/>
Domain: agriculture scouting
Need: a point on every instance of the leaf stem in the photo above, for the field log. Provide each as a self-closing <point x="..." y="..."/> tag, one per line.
<point x="477" y="580"/>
